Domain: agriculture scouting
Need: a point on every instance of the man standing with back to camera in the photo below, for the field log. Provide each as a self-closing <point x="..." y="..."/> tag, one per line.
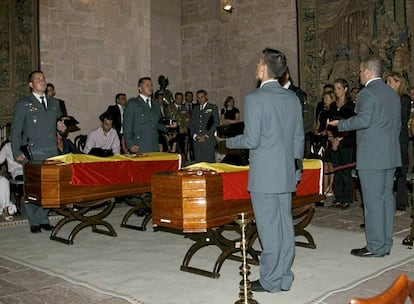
<point x="274" y="134"/>
<point x="35" y="122"/>
<point x="378" y="124"/>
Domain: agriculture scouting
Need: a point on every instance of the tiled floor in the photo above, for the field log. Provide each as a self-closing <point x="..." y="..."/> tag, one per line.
<point x="24" y="285"/>
<point x="350" y="219"/>
<point x="21" y="284"/>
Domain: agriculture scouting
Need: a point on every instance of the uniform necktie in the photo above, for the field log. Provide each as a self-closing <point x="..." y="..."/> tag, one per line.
<point x="42" y="98"/>
<point x="148" y="103"/>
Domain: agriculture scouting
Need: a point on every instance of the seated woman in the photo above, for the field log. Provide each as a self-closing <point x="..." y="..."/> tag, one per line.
<point x="7" y="208"/>
<point x="65" y="145"/>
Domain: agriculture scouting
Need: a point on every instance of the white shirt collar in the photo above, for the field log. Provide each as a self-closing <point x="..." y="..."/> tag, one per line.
<point x="287" y="84"/>
<point x="371" y="80"/>
<point x="267" y="81"/>
<point x="144" y="97"/>
<point x="38" y="96"/>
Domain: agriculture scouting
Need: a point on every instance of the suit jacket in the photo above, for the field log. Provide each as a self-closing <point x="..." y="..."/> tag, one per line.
<point x="62" y="107"/>
<point x="405" y="117"/>
<point x="205" y="122"/>
<point x="299" y="93"/>
<point x="116" y="116"/>
<point x="141" y="125"/>
<point x="378" y="125"/>
<point x="274" y="134"/>
<point x="35" y="126"/>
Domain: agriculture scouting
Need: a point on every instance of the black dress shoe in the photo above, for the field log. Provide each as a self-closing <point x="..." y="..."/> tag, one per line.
<point x="46" y="227"/>
<point x="256" y="286"/>
<point x="362" y="225"/>
<point x="364" y="252"/>
<point x="35" y="229"/>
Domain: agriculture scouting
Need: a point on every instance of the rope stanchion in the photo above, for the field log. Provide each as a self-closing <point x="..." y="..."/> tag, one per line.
<point x="338" y="168"/>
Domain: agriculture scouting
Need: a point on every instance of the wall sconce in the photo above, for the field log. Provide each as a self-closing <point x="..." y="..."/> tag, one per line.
<point x="228" y="6"/>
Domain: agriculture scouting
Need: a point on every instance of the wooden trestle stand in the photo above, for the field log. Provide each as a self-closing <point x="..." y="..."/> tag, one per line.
<point x="49" y="185"/>
<point x="192" y="201"/>
<point x="140" y="205"/>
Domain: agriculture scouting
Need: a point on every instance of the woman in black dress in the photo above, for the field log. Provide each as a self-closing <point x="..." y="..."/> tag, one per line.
<point x="229" y="114"/>
<point x="343" y="145"/>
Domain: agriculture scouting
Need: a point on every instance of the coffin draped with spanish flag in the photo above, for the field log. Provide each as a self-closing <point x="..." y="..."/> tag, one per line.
<point x="78" y="178"/>
<point x="207" y="195"/>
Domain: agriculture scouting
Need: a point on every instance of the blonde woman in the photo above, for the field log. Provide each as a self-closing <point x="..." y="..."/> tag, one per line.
<point x="398" y="83"/>
<point x="229" y="113"/>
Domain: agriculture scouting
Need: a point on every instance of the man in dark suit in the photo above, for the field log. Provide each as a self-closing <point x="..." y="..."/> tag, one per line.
<point x="116" y="111"/>
<point x="378" y="125"/>
<point x="190" y="104"/>
<point x="141" y="120"/>
<point x="34" y="125"/>
<point x="274" y="135"/>
<point x="204" y="122"/>
<point x="287" y="83"/>
<point x="51" y="92"/>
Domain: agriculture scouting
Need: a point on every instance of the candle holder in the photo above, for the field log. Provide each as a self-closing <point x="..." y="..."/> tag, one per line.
<point x="245" y="293"/>
<point x="409" y="239"/>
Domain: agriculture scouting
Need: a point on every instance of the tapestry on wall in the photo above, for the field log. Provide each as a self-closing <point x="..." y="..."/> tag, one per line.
<point x="335" y="35"/>
<point x="19" y="51"/>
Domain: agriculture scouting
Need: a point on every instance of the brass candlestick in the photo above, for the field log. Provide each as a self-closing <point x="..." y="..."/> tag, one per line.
<point x="245" y="293"/>
<point x="408" y="241"/>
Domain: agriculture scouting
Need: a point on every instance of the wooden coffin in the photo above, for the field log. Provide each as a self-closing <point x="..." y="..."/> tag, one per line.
<point x="192" y="201"/>
<point x="49" y="185"/>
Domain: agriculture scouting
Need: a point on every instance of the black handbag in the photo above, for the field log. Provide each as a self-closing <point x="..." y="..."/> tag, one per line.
<point x="101" y="152"/>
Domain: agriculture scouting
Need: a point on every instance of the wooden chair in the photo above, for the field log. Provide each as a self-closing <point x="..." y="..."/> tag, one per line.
<point x="397" y="293"/>
<point x="17" y="190"/>
<point x="80" y="141"/>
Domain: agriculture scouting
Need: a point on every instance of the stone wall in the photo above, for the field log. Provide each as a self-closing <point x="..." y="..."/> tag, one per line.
<point x="220" y="50"/>
<point x="166" y="42"/>
<point x="91" y="50"/>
